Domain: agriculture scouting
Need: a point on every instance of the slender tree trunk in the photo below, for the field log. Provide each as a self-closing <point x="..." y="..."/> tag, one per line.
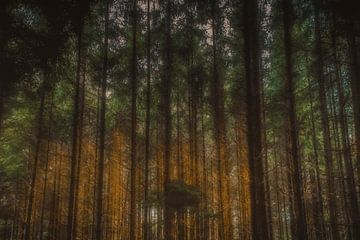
<point x="355" y="87"/>
<point x="350" y="177"/>
<point x="2" y="98"/>
<point x="225" y="228"/>
<point x="339" y="159"/>
<point x="101" y="162"/>
<point x="259" y="219"/>
<point x="147" y="232"/>
<point x="166" y="112"/>
<point x="355" y="91"/>
<point x="78" y="167"/>
<point x="133" y="162"/>
<point x="318" y="209"/>
<point x="93" y="223"/>
<point x="295" y="167"/>
<point x="46" y="169"/>
<point x="30" y="204"/>
<point x="266" y="164"/>
<point x="75" y="137"/>
<point x="325" y="126"/>
<point x="4" y="31"/>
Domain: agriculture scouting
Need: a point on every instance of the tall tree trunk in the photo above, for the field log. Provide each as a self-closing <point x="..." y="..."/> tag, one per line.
<point x="147" y="233"/>
<point x="79" y="156"/>
<point x="205" y="171"/>
<point x="4" y="31"/>
<point x="350" y="177"/>
<point x="259" y="219"/>
<point x="101" y="162"/>
<point x="325" y="126"/>
<point x="166" y="112"/>
<point x="295" y="167"/>
<point x="44" y="193"/>
<point x="39" y="135"/>
<point x="133" y="162"/>
<point x="318" y="209"/>
<point x="75" y="136"/>
<point x="225" y="228"/>
<point x="355" y="91"/>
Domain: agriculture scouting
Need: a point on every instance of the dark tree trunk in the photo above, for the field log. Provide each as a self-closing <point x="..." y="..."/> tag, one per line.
<point x="324" y="115"/>
<point x="133" y="162"/>
<point x="46" y="170"/>
<point x="355" y="91"/>
<point x="318" y="202"/>
<point x="39" y="135"/>
<point x="225" y="228"/>
<point x="350" y="177"/>
<point x="147" y="232"/>
<point x="79" y="156"/>
<point x="259" y="219"/>
<point x="295" y="167"/>
<point x="75" y="136"/>
<point x="101" y="162"/>
<point x="166" y="113"/>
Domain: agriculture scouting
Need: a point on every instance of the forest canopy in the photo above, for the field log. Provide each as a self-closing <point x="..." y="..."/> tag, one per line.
<point x="179" y="119"/>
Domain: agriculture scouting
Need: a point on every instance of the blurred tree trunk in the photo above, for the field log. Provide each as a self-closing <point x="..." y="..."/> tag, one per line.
<point x="45" y="187"/>
<point x="79" y="156"/>
<point x="133" y="162"/>
<point x="295" y="166"/>
<point x="225" y="228"/>
<point x="39" y="136"/>
<point x="317" y="198"/>
<point x="101" y="161"/>
<point x="147" y="227"/>
<point x="324" y="115"/>
<point x="355" y="91"/>
<point x="259" y="222"/>
<point x="165" y="92"/>
<point x="75" y="133"/>
<point x="350" y="177"/>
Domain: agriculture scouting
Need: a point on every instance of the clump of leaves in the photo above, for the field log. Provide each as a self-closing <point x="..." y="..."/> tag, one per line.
<point x="179" y="195"/>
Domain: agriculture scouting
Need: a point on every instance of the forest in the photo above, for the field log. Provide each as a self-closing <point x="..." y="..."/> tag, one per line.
<point x="179" y="119"/>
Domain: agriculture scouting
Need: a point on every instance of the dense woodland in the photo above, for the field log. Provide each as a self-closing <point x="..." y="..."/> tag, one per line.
<point x="179" y="119"/>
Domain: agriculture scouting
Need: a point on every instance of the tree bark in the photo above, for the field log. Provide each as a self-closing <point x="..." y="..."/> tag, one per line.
<point x="167" y="78"/>
<point x="101" y="162"/>
<point x="133" y="161"/>
<point x="295" y="167"/>
<point x="350" y="179"/>
<point x="259" y="219"/>
<point x="75" y="136"/>
<point x="324" y="115"/>
<point x="147" y="232"/>
<point x="39" y="135"/>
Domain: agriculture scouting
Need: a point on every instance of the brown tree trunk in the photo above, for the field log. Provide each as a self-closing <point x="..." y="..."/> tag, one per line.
<point x="355" y="91"/>
<point x="324" y="115"/>
<point x="295" y="167"/>
<point x="225" y="228"/>
<point x="259" y="219"/>
<point x="100" y="168"/>
<point x="75" y="136"/>
<point x="133" y="162"/>
<point x="39" y="135"/>
<point x="166" y="115"/>
<point x="350" y="177"/>
<point x="147" y="232"/>
<point x="318" y="208"/>
<point x="79" y="156"/>
<point x="44" y="193"/>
